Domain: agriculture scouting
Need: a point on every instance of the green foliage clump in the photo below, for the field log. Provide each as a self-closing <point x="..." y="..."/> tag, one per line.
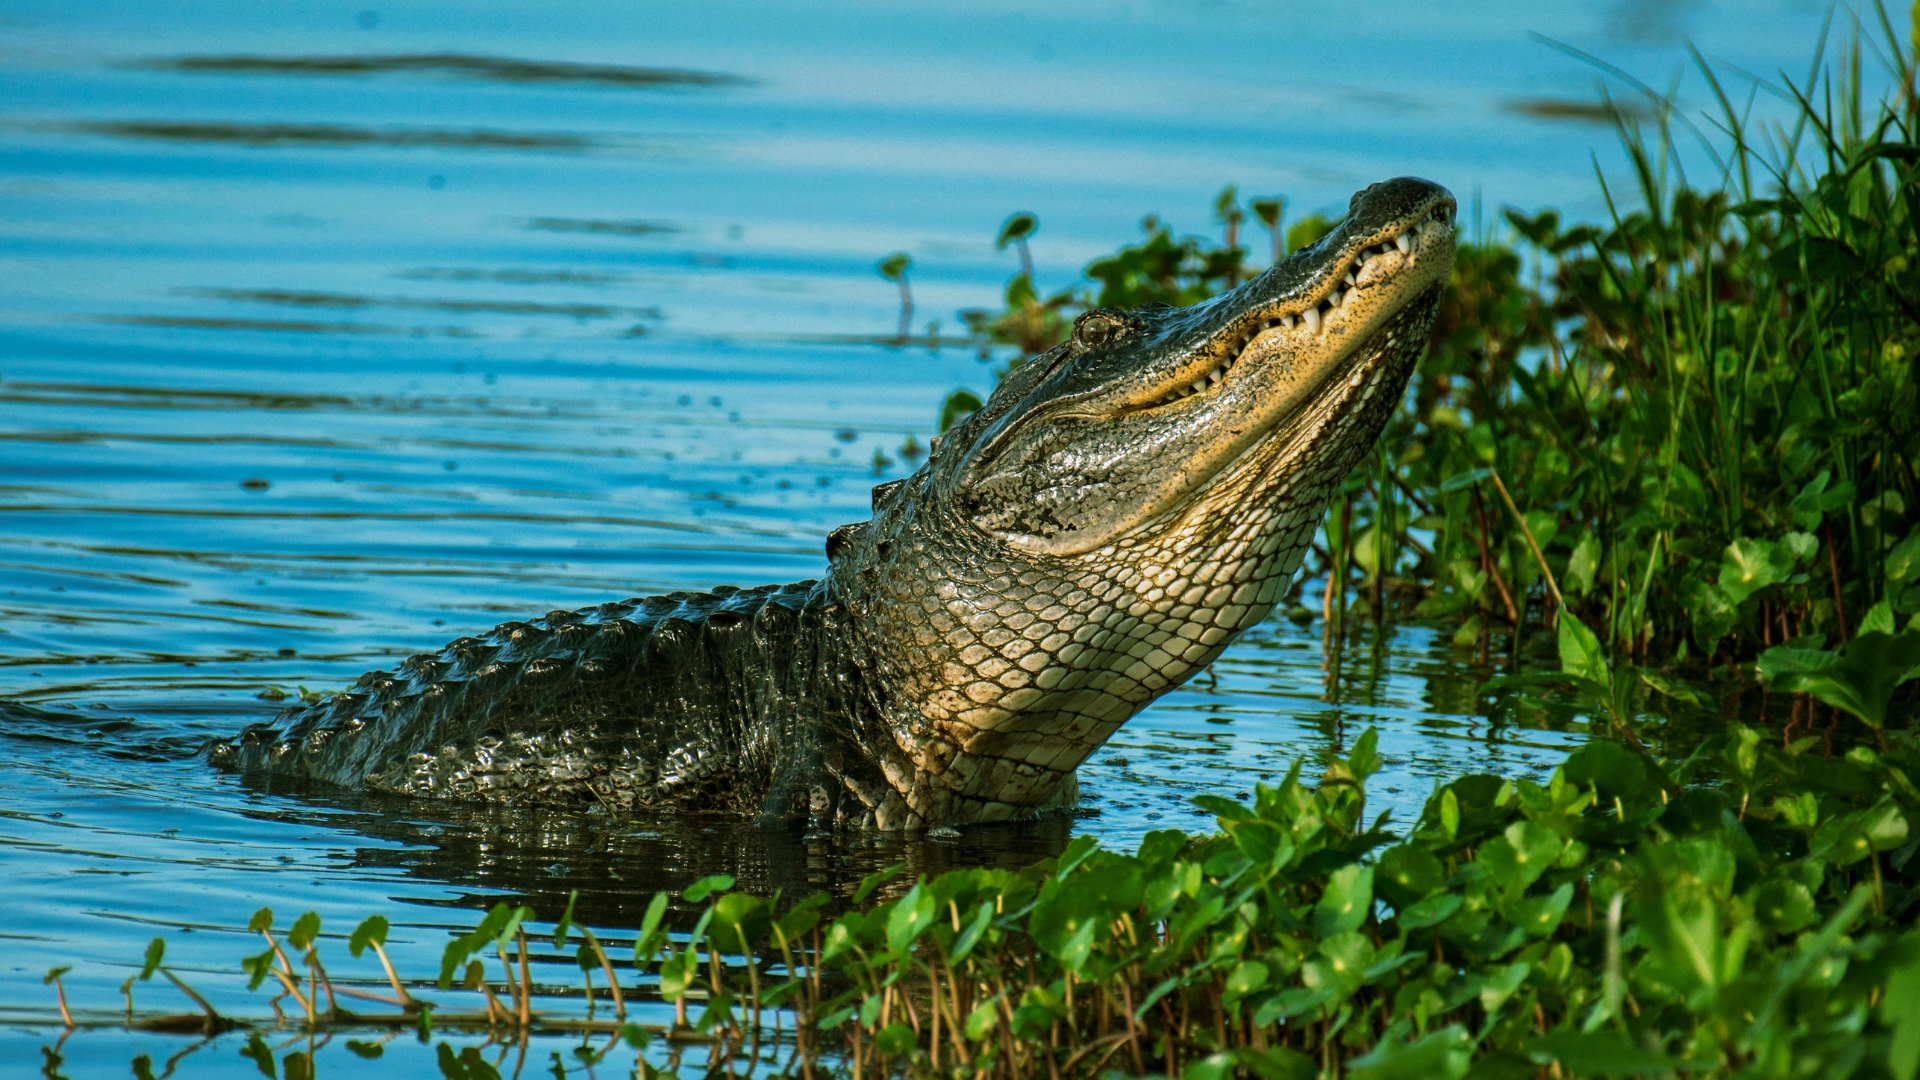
<point x="1708" y="407"/>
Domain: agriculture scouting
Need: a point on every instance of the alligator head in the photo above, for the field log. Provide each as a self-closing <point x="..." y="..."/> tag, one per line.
<point x="1120" y="509"/>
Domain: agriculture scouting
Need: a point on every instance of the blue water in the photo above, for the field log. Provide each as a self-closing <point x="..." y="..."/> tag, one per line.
<point x="305" y="371"/>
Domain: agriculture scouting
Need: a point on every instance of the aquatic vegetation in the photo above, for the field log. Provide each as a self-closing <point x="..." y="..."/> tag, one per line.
<point x="894" y="268"/>
<point x="1629" y="916"/>
<point x="1691" y="425"/>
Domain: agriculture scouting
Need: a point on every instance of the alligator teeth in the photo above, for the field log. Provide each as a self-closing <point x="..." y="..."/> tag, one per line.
<point x="1340" y="297"/>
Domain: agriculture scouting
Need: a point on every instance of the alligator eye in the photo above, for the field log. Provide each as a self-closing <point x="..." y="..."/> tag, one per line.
<point x="1100" y="326"/>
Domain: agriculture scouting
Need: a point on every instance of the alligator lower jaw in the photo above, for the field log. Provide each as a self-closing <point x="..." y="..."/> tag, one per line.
<point x="1348" y="385"/>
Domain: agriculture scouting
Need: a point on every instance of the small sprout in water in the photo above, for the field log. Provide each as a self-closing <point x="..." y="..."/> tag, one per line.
<point x="372" y="933"/>
<point x="650" y="939"/>
<point x="959" y="405"/>
<point x="156" y="949"/>
<point x="1015" y="231"/>
<point x="305" y="929"/>
<point x="707" y="886"/>
<point x="60" y="991"/>
<point x="566" y="921"/>
<point x="1270" y="210"/>
<point x="1226" y="210"/>
<point x="894" y="268"/>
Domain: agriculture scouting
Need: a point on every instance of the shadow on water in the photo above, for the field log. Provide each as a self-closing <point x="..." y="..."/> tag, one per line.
<point x="514" y="277"/>
<point x="346" y="136"/>
<point x="278" y="326"/>
<point x="610" y="228"/>
<point x="481" y="853"/>
<point x="458" y="65"/>
<point x="292" y="298"/>
<point x="1577" y="110"/>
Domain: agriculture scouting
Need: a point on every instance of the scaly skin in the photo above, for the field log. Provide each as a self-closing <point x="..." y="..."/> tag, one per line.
<point x="1120" y="510"/>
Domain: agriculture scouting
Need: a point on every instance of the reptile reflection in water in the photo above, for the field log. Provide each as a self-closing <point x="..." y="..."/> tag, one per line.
<point x="1122" y="507"/>
<point x="483" y="849"/>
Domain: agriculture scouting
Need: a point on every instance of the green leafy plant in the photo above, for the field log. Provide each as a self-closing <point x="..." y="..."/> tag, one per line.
<point x="1745" y="912"/>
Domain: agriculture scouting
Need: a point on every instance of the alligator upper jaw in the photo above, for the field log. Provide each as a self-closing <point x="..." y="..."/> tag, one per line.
<point x="1337" y="315"/>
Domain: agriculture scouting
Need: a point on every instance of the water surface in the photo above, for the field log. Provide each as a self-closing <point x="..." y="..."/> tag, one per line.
<point x="331" y="333"/>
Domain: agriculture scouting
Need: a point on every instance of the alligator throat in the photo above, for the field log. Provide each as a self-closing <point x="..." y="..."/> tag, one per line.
<point x="1122" y="508"/>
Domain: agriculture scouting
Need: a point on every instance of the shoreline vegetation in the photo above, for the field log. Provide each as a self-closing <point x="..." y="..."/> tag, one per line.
<point x="1622" y="919"/>
<point x="1679" y="443"/>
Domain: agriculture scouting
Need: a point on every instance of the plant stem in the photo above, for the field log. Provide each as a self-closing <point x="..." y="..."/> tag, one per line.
<point x="1552" y="585"/>
<point x="406" y="999"/>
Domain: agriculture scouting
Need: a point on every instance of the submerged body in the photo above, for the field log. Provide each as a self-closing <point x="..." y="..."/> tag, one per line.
<point x="1122" y="507"/>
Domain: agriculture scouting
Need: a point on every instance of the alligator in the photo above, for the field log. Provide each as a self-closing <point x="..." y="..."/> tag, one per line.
<point x="1120" y="509"/>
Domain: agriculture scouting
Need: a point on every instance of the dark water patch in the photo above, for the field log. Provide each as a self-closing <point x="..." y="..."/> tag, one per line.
<point x="390" y="515"/>
<point x="280" y="609"/>
<point x="90" y="395"/>
<point x="342" y="135"/>
<point x="295" y="298"/>
<point x="930" y="342"/>
<point x="137" y="616"/>
<point x="95" y="575"/>
<point x="280" y="326"/>
<point x="544" y="855"/>
<point x="459" y="65"/>
<point x="166" y="439"/>
<point x="123" y="738"/>
<point x="514" y="277"/>
<point x="632" y="227"/>
<point x="390" y="566"/>
<point x="167" y="397"/>
<point x="1579" y="111"/>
